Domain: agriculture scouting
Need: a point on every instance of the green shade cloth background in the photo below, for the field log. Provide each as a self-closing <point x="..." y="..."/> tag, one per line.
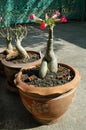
<point x="17" y="11"/>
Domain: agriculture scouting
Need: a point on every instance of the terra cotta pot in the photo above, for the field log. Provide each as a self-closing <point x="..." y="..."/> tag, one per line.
<point x="2" y="50"/>
<point x="47" y="104"/>
<point x="11" y="69"/>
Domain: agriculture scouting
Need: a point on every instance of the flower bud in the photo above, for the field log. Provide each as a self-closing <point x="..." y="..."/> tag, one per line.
<point x="56" y="15"/>
<point x="32" y="17"/>
<point x="63" y="19"/>
<point x="43" y="25"/>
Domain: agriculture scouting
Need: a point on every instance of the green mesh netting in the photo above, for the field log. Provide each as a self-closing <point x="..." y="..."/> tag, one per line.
<point x="17" y="11"/>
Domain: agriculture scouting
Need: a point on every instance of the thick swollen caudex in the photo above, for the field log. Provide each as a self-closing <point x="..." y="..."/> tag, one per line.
<point x="22" y="52"/>
<point x="20" y="33"/>
<point x="49" y="62"/>
<point x="9" y="48"/>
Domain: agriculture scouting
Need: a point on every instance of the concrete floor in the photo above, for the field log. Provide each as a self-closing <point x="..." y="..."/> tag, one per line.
<point x="70" y="48"/>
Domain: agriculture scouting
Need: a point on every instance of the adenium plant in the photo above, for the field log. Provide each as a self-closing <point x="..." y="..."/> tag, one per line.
<point x="49" y="62"/>
<point x="19" y="32"/>
<point x="7" y="35"/>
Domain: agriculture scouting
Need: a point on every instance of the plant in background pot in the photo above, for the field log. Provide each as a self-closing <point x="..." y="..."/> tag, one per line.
<point x="17" y="57"/>
<point x="47" y="89"/>
<point x="5" y="32"/>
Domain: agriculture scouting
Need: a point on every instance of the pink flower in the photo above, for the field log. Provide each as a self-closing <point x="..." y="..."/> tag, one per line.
<point x="0" y="18"/>
<point x="32" y="17"/>
<point x="43" y="25"/>
<point x="63" y="19"/>
<point x="56" y="15"/>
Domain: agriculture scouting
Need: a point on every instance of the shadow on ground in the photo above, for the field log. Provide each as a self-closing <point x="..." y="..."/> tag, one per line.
<point x="13" y="115"/>
<point x="70" y="32"/>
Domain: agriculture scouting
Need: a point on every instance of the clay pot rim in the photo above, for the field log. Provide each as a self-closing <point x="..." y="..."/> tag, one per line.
<point x="49" y="97"/>
<point x="20" y="65"/>
<point x="46" y="91"/>
<point x="2" y="50"/>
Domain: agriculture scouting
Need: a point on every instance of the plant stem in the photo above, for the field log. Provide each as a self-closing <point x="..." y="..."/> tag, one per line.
<point x="9" y="47"/>
<point x="49" y="62"/>
<point x="22" y="52"/>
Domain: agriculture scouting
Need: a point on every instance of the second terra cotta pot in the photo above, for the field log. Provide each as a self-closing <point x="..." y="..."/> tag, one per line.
<point x="2" y="51"/>
<point x="47" y="104"/>
<point x="11" y="69"/>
